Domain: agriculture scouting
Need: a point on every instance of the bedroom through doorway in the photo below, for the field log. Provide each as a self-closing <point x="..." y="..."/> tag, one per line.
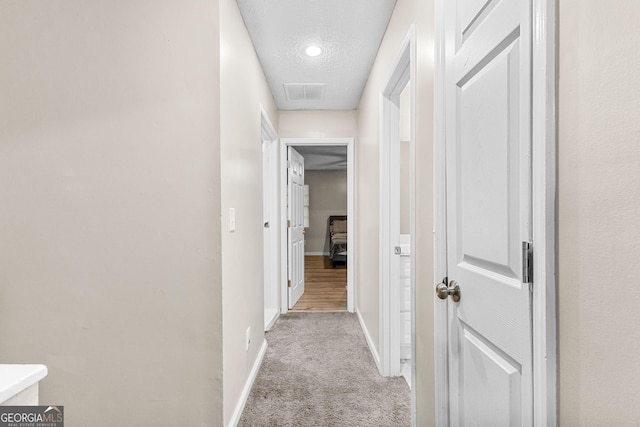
<point x="325" y="220"/>
<point x="328" y="185"/>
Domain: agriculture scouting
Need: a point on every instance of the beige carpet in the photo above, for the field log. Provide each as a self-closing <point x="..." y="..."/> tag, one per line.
<point x="318" y="371"/>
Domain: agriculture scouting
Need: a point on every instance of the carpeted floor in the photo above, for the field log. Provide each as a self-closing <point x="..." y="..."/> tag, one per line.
<point x="318" y="371"/>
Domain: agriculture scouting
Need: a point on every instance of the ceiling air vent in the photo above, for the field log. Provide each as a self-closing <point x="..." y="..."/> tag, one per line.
<point x="304" y="91"/>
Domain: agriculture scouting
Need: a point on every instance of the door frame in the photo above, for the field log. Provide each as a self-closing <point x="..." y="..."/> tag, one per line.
<point x="403" y="70"/>
<point x="543" y="220"/>
<point x="351" y="260"/>
<point x="271" y="288"/>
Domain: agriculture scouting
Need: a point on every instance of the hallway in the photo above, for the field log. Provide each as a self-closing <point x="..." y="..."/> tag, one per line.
<point x="318" y="371"/>
<point x="131" y="165"/>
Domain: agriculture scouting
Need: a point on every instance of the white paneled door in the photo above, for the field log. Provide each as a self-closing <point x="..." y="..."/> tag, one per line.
<point x="488" y="151"/>
<point x="296" y="232"/>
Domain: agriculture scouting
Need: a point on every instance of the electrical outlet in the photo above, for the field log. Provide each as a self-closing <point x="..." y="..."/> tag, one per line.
<point x="247" y="338"/>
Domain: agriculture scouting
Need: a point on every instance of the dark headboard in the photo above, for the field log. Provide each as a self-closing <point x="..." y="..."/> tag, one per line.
<point x="334" y="218"/>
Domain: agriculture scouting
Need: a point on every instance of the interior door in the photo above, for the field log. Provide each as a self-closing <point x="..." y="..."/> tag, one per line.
<point x="488" y="151"/>
<point x="296" y="232"/>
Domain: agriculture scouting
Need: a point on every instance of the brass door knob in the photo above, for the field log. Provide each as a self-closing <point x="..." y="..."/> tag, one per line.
<point x="453" y="290"/>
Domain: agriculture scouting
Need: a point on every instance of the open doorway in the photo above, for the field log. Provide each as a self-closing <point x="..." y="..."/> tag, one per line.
<point x="303" y="144"/>
<point x="326" y="249"/>
<point x="397" y="218"/>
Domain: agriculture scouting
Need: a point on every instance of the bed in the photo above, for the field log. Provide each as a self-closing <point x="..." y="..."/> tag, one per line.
<point x="338" y="239"/>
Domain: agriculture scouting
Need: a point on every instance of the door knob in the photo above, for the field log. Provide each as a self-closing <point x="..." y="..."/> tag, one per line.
<point x="453" y="290"/>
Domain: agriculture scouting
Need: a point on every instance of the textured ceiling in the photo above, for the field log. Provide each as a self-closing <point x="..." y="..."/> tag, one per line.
<point x="327" y="158"/>
<point x="348" y="31"/>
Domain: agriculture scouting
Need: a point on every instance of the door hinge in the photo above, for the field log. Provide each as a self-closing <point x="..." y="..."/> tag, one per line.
<point x="288" y="223"/>
<point x="527" y="263"/>
<point x="289" y="283"/>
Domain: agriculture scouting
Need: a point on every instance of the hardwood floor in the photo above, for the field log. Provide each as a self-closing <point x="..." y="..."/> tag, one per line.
<point x="325" y="288"/>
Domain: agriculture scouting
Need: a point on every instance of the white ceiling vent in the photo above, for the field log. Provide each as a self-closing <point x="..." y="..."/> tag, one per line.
<point x="304" y="91"/>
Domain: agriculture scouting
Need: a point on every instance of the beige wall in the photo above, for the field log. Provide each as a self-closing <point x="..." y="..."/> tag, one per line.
<point x="110" y="181"/>
<point x="317" y="124"/>
<point x="243" y="89"/>
<point x="598" y="213"/>
<point x="327" y="196"/>
<point x="407" y="12"/>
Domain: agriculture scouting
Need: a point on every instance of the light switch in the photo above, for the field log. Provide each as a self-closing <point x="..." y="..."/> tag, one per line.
<point x="232" y="219"/>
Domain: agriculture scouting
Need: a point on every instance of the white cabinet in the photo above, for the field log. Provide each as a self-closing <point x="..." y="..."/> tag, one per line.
<point x="19" y="384"/>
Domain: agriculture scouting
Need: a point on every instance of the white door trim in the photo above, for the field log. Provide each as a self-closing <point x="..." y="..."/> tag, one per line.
<point x="271" y="287"/>
<point x="351" y="260"/>
<point x="402" y="72"/>
<point x="544" y="213"/>
<point x="543" y="221"/>
<point x="441" y="315"/>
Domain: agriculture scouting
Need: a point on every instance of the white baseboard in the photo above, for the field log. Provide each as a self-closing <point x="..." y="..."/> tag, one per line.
<point x="235" y="418"/>
<point x="372" y="347"/>
<point x="316" y="254"/>
<point x="271" y="315"/>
